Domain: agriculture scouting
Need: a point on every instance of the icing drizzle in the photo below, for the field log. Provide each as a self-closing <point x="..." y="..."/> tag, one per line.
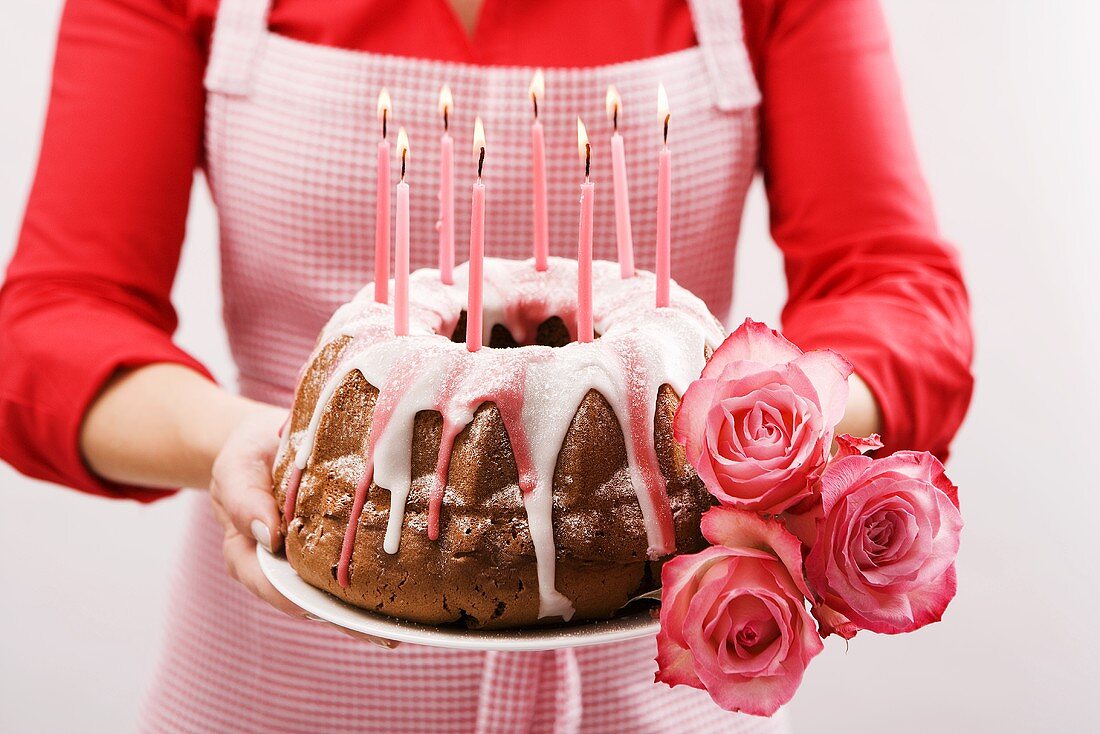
<point x="536" y="389"/>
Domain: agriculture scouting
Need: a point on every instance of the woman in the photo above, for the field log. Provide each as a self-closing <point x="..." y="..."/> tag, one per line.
<point x="276" y="105"/>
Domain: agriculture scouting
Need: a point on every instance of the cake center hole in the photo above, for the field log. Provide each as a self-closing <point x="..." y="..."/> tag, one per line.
<point x="550" y="333"/>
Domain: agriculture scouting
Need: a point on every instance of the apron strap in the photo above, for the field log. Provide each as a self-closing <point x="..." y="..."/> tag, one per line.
<point x="720" y="33"/>
<point x="240" y="30"/>
<point x="510" y="688"/>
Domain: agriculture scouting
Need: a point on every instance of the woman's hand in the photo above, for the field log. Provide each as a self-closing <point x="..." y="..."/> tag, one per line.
<point x="164" y="425"/>
<point x="240" y="489"/>
<point x="862" y="416"/>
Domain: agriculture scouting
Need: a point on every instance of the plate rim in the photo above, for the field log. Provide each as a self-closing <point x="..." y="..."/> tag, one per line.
<point x="319" y="603"/>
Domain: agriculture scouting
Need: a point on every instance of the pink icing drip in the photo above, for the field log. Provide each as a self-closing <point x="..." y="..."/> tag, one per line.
<point x="343" y="574"/>
<point x="292" y="483"/>
<point x="639" y="403"/>
<point x="388" y="400"/>
<point x="456" y="375"/>
<point x="442" y="468"/>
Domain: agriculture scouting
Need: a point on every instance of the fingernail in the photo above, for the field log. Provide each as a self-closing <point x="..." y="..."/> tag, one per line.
<point x="313" y="617"/>
<point x="384" y="643"/>
<point x="262" y="534"/>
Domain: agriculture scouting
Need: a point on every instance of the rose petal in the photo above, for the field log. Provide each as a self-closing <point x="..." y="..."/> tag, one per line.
<point x="839" y="477"/>
<point x="832" y="622"/>
<point x="732" y="528"/>
<point x="854" y="446"/>
<point x="829" y="373"/>
<point x="751" y="342"/>
<point x="691" y="415"/>
<point x="674" y="664"/>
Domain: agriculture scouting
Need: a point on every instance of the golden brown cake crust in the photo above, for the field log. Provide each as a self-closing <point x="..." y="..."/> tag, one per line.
<point x="482" y="570"/>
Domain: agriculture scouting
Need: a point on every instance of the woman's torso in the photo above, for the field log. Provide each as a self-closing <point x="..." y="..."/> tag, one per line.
<point x="291" y="135"/>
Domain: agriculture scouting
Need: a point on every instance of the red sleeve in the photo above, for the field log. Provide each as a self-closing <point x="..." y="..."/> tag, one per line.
<point x="868" y="273"/>
<point x="87" y="292"/>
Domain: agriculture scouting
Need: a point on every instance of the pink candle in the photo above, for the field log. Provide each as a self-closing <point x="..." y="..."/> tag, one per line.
<point x="623" y="234"/>
<point x="584" y="242"/>
<point x="446" y="191"/>
<point x="541" y="222"/>
<point x="382" y="206"/>
<point x="664" y="205"/>
<point x="477" y="247"/>
<point x="401" y="266"/>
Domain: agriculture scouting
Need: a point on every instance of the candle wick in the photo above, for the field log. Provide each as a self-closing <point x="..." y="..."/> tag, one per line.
<point x="385" y="118"/>
<point x="403" y="153"/>
<point x="666" y="128"/>
<point x="615" y="118"/>
<point x="535" y="102"/>
<point x="587" y="161"/>
<point x="480" y="163"/>
<point x="446" y="120"/>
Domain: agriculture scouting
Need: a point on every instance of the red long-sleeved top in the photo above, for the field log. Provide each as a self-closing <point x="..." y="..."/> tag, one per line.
<point x="87" y="293"/>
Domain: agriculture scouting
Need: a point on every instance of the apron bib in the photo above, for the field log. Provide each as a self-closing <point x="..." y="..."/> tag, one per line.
<point x="291" y="136"/>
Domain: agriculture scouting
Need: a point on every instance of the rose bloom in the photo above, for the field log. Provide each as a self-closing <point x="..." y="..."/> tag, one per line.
<point x="733" y="617"/>
<point x="758" y="424"/>
<point x="884" y="557"/>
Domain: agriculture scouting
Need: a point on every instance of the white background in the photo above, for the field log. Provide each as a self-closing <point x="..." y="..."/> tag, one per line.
<point x="1005" y="109"/>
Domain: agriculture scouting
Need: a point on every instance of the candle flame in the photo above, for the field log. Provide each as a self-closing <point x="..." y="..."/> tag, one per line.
<point x="583" y="147"/>
<point x="479" y="145"/>
<point x="582" y="139"/>
<point x="402" y="149"/>
<point x="385" y="109"/>
<point x="402" y="143"/>
<point x="663" y="108"/>
<point x="537" y="90"/>
<point x="446" y="104"/>
<point x="614" y="105"/>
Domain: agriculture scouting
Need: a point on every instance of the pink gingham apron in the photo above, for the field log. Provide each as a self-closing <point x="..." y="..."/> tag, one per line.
<point x="291" y="136"/>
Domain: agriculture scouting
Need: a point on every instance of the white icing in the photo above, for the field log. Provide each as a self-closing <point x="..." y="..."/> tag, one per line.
<point x="641" y="348"/>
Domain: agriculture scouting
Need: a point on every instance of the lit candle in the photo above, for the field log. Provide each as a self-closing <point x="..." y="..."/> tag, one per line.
<point x="382" y="205"/>
<point x="664" y="202"/>
<point x="401" y="257"/>
<point x="541" y="221"/>
<point x="477" y="246"/>
<point x="622" y="195"/>
<point x="584" y="241"/>
<point x="446" y="191"/>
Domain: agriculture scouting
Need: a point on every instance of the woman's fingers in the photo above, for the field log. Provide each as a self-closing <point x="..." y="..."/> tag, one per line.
<point x="240" y="559"/>
<point x="243" y="503"/>
<point x="241" y="482"/>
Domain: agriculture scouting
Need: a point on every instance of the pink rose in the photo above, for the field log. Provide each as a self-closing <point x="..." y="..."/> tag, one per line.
<point x="884" y="557"/>
<point x="802" y="519"/>
<point x="758" y="424"/>
<point x="733" y="617"/>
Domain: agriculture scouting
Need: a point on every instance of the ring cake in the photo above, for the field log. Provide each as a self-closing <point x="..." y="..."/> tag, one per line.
<point x="529" y="482"/>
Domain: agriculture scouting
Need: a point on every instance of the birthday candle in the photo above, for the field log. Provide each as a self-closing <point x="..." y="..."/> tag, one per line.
<point x="382" y="205"/>
<point x="664" y="203"/>
<point x="622" y="196"/>
<point x="584" y="241"/>
<point x="540" y="220"/>
<point x="401" y="265"/>
<point x="477" y="246"/>
<point x="446" y="191"/>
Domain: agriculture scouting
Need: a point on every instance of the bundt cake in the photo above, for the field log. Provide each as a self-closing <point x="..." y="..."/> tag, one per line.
<point x="530" y="482"/>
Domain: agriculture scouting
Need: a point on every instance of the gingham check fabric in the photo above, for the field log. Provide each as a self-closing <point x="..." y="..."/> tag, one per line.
<point x="291" y="137"/>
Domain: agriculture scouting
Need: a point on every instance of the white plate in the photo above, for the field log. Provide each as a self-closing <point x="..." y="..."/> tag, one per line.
<point x="322" y="604"/>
